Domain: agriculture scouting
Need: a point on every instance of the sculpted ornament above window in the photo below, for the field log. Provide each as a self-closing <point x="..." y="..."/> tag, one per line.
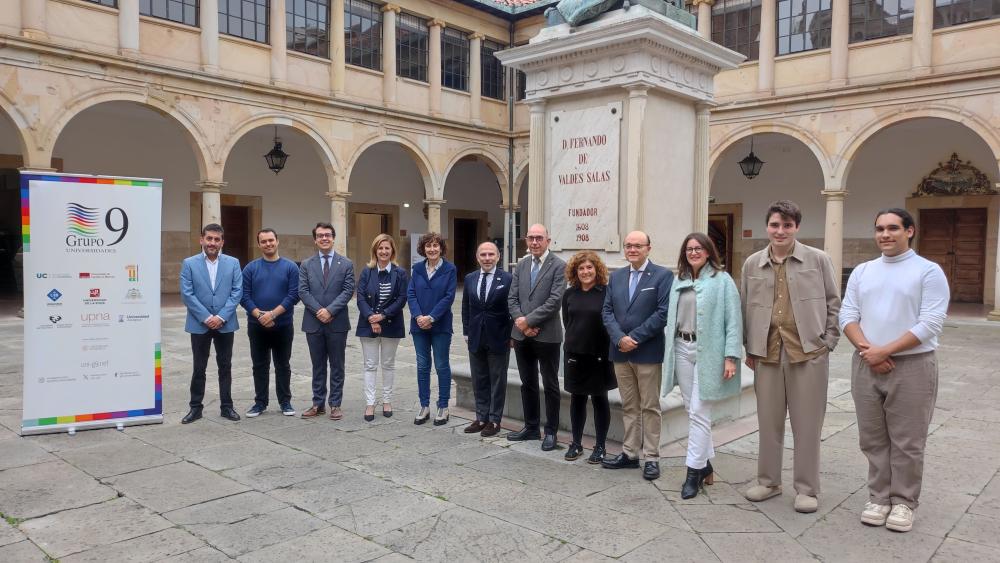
<point x="955" y="178"/>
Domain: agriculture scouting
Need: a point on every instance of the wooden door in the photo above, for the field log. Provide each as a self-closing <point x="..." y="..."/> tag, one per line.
<point x="956" y="240"/>
<point x="720" y="230"/>
<point x="236" y="222"/>
<point x="366" y="227"/>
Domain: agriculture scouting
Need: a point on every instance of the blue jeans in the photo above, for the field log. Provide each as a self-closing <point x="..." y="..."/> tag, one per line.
<point x="424" y="343"/>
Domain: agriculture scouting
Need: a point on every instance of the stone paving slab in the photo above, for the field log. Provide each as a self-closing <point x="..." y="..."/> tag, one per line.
<point x="9" y="534"/>
<point x="23" y="552"/>
<point x="958" y="551"/>
<point x="637" y="499"/>
<point x="174" y="486"/>
<point x="675" y="546"/>
<point x="727" y="518"/>
<point x="383" y="513"/>
<point x="321" y="497"/>
<point x="840" y="536"/>
<point x="984" y="530"/>
<point x="247" y="451"/>
<point x="200" y="555"/>
<point x="737" y="548"/>
<point x="18" y="453"/>
<point x="257" y="532"/>
<point x="143" y="549"/>
<point x="117" y="457"/>
<point x="322" y="546"/>
<point x="225" y="510"/>
<point x="283" y="471"/>
<point x="46" y="488"/>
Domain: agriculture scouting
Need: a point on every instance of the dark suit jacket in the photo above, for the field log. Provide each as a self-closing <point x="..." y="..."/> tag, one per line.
<point x="642" y="318"/>
<point x="332" y="296"/>
<point x="433" y="296"/>
<point x="540" y="304"/>
<point x="392" y="326"/>
<point x="487" y="325"/>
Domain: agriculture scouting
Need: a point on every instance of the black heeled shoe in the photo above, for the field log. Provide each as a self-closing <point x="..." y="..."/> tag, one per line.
<point x="708" y="474"/>
<point x="695" y="478"/>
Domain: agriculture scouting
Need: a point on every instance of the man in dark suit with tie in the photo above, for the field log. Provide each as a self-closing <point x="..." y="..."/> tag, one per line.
<point x="211" y="287"/>
<point x="635" y="312"/>
<point x="326" y="285"/>
<point x="534" y="302"/>
<point x="486" y="325"/>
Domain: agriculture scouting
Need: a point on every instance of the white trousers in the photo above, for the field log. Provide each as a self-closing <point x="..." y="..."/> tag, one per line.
<point x="700" y="448"/>
<point x="379" y="351"/>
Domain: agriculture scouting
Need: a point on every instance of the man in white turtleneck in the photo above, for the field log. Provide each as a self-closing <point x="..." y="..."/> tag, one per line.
<point x="893" y="313"/>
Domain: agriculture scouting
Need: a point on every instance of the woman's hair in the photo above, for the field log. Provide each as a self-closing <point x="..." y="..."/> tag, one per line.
<point x="684" y="269"/>
<point x="428" y="238"/>
<point x="379" y="240"/>
<point x="580" y="258"/>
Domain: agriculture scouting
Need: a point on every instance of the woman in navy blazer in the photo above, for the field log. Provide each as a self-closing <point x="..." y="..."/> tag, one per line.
<point x="430" y="295"/>
<point x="381" y="298"/>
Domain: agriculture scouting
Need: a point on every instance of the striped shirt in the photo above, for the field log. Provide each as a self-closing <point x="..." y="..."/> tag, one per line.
<point x="384" y="286"/>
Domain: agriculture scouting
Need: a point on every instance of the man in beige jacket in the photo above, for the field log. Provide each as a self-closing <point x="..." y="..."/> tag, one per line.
<point x="791" y="299"/>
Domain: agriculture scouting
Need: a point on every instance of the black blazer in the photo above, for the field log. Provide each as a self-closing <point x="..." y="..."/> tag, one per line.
<point x="392" y="326"/>
<point x="487" y="325"/>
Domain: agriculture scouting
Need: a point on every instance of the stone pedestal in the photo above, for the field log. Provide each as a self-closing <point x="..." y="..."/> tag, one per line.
<point x="614" y="129"/>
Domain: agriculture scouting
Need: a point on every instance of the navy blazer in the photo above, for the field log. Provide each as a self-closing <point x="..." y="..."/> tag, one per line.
<point x="368" y="292"/>
<point x="487" y="325"/>
<point x="433" y="296"/>
<point x="642" y="318"/>
<point x="334" y="295"/>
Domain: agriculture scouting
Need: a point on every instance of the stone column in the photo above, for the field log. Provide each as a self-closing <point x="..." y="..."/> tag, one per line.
<point x="211" y="201"/>
<point x="279" y="43"/>
<point x="209" y="35"/>
<point x="337" y="65"/>
<point x="128" y="28"/>
<point x="922" y="45"/>
<point x="536" y="164"/>
<point x="635" y="115"/>
<point x="434" y="214"/>
<point x="434" y="65"/>
<point x="389" y="12"/>
<point x="702" y="187"/>
<point x="768" y="46"/>
<point x="704" y="17"/>
<point x="476" y="77"/>
<point x="994" y="315"/>
<point x="33" y="19"/>
<point x="833" y="235"/>
<point x="839" y="40"/>
<point x="338" y="218"/>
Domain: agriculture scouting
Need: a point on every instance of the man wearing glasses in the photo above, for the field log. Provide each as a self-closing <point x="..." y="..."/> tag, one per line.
<point x="635" y="312"/>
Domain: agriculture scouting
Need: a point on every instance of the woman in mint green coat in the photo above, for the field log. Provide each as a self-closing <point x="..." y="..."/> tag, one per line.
<point x="703" y="350"/>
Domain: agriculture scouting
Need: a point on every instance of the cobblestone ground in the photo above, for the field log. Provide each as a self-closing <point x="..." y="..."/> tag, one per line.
<point x="279" y="488"/>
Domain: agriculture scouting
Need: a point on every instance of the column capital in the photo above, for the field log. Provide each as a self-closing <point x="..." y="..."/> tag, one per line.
<point x="211" y="186"/>
<point x="391" y="8"/>
<point x="696" y="2"/>
<point x="637" y="90"/>
<point x="338" y="196"/>
<point x="434" y="202"/>
<point x="703" y="108"/>
<point x="437" y="23"/>
<point x="536" y="106"/>
<point x="834" y="195"/>
<point x="477" y="35"/>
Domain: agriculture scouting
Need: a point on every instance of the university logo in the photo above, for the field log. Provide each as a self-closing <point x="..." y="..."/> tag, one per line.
<point x="54" y="295"/>
<point x="133" y="272"/>
<point x="84" y="227"/>
<point x="95" y="292"/>
<point x="54" y="319"/>
<point x="133" y="294"/>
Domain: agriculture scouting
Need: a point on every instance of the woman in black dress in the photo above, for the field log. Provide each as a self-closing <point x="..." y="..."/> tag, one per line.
<point x="588" y="370"/>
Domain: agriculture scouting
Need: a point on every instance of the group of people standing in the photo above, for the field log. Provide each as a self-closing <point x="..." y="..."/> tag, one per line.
<point x="639" y="329"/>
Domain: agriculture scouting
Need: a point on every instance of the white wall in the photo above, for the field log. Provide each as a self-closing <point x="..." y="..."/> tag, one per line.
<point x="386" y="174"/>
<point x="472" y="186"/>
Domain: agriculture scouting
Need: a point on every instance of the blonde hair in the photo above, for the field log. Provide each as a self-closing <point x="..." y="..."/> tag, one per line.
<point x="379" y="240"/>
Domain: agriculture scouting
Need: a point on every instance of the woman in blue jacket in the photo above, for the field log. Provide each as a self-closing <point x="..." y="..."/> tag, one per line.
<point x="381" y="298"/>
<point x="703" y="355"/>
<point x="430" y="295"/>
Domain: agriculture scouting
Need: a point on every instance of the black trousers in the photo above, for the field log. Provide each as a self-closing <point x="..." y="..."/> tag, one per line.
<point x="489" y="383"/>
<point x="265" y="344"/>
<point x="578" y="416"/>
<point x="327" y="347"/>
<point x="534" y="357"/>
<point x="201" y="345"/>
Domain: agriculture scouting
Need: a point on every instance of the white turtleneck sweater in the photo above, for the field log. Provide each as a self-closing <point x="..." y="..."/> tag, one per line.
<point x="894" y="294"/>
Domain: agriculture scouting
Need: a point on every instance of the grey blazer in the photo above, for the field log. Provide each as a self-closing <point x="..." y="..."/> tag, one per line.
<point x="539" y="304"/>
<point x="334" y="295"/>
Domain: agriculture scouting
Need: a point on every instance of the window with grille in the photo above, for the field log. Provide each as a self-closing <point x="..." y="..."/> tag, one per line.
<point x="180" y="11"/>
<point x="363" y="34"/>
<point x="954" y="12"/>
<point x="803" y="25"/>
<point x="493" y="71"/>
<point x="245" y="18"/>
<point x="307" y="26"/>
<point x="455" y="60"/>
<point x="108" y="3"/>
<point x="871" y="19"/>
<point x="412" y="46"/>
<point x="522" y="85"/>
<point x="736" y="25"/>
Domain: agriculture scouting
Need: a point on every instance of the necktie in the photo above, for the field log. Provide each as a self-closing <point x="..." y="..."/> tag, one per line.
<point x="482" y="286"/>
<point x="632" y="283"/>
<point x="536" y="264"/>
<point x="326" y="267"/>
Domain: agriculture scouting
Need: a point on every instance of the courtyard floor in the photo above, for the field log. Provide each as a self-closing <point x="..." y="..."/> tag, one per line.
<point x="278" y="488"/>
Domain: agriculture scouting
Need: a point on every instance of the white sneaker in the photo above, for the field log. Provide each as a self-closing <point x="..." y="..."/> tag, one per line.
<point x="442" y="417"/>
<point x="875" y="514"/>
<point x="900" y="519"/>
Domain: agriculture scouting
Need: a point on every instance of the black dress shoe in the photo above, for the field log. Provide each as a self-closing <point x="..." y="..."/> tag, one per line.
<point x="574" y="452"/>
<point x="524" y="434"/>
<point x="597" y="456"/>
<point x="549" y="443"/>
<point x="620" y="461"/>
<point x="191" y="416"/>
<point x="651" y="471"/>
<point x="229" y="413"/>
<point x="491" y="429"/>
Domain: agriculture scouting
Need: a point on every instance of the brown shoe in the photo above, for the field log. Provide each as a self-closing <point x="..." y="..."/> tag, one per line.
<point x="336" y="413"/>
<point x="491" y="429"/>
<point x="476" y="426"/>
<point x="313" y="411"/>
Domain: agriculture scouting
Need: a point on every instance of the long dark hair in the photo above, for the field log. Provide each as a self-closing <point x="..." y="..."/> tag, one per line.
<point x="684" y="269"/>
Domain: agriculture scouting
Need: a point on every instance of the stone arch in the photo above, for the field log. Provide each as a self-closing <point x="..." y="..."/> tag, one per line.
<point x="797" y="133"/>
<point x="520" y="172"/>
<point x="487" y="158"/>
<point x="971" y="121"/>
<point x="24" y="137"/>
<point x="194" y="134"/>
<point x="419" y="158"/>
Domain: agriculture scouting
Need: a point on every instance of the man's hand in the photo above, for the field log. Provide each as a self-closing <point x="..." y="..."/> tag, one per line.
<point x="424" y="322"/>
<point x="751" y="362"/>
<point x="215" y="322"/>
<point x="267" y="319"/>
<point x="875" y="355"/>
<point x="324" y="316"/>
<point x="885" y="367"/>
<point x="532" y="332"/>
<point x="522" y="324"/>
<point x="627" y="344"/>
<point x="730" y="369"/>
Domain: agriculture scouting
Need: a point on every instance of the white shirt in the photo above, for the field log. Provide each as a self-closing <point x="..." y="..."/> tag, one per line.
<point x="432" y="271"/>
<point x="213" y="268"/>
<point x="641" y="268"/>
<point x="891" y="295"/>
<point x="489" y="281"/>
<point x="388" y="268"/>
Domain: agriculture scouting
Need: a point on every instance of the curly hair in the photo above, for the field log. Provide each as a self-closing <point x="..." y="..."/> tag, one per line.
<point x="428" y="238"/>
<point x="580" y="258"/>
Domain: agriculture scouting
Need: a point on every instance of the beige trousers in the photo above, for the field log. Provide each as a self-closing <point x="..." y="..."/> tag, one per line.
<point x="800" y="390"/>
<point x="894" y="412"/>
<point x="639" y="386"/>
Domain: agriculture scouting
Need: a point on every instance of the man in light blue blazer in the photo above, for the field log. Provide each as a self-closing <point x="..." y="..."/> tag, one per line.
<point x="211" y="286"/>
<point x="635" y="312"/>
<point x="326" y="285"/>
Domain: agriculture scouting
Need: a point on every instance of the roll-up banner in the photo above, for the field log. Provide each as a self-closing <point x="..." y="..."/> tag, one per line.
<point x="91" y="301"/>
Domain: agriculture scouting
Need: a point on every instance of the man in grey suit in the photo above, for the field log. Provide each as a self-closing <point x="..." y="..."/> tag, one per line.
<point x="534" y="300"/>
<point x="635" y="312"/>
<point x="326" y="285"/>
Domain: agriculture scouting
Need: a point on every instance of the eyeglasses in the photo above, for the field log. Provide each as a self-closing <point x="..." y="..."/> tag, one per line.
<point x="535" y="239"/>
<point x="635" y="246"/>
<point x="324" y="235"/>
<point x="694" y="250"/>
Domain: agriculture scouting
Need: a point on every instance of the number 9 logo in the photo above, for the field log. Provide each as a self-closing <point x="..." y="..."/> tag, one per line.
<point x="122" y="229"/>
